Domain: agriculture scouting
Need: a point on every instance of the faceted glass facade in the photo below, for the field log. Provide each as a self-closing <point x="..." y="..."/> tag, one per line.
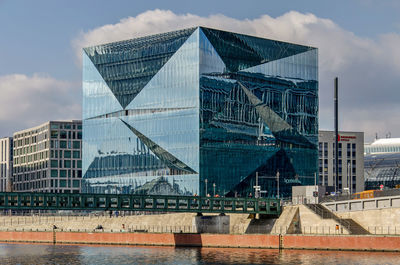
<point x="168" y="113"/>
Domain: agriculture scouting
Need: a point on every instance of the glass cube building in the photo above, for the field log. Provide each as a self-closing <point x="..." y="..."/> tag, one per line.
<point x="199" y="111"/>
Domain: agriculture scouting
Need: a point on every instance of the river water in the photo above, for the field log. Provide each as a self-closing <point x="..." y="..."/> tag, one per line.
<point x="76" y="254"/>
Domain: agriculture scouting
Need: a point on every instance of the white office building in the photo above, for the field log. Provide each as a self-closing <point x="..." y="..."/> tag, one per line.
<point x="351" y="160"/>
<point x="48" y="158"/>
<point x="6" y="159"/>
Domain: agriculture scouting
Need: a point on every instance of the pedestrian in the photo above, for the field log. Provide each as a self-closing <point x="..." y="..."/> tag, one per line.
<point x="110" y="212"/>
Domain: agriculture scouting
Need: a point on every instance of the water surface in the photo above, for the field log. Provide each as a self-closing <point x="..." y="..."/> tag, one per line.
<point x="78" y="254"/>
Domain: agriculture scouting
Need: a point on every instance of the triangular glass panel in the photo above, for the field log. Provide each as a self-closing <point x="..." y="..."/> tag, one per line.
<point x="127" y="66"/>
<point x="299" y="67"/>
<point x="176" y="84"/>
<point x="240" y="51"/>
<point x="176" y="131"/>
<point x="267" y="180"/>
<point x="161" y="153"/>
<point x="209" y="60"/>
<point x="95" y="90"/>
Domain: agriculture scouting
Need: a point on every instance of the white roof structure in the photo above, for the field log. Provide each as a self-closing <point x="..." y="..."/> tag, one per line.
<point x="384" y="145"/>
<point x="386" y="142"/>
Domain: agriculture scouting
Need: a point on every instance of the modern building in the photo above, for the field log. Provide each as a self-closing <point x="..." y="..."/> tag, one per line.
<point x="47" y="158"/>
<point x="6" y="162"/>
<point x="351" y="160"/>
<point x="199" y="111"/>
<point x="382" y="163"/>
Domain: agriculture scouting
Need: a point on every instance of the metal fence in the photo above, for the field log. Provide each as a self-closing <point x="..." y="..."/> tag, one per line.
<point x="344" y="197"/>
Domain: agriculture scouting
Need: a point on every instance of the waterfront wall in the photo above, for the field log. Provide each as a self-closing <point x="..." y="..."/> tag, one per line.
<point x="366" y="243"/>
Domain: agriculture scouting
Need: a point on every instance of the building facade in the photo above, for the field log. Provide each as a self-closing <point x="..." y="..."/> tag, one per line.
<point x="47" y="158"/>
<point x="351" y="160"/>
<point x="382" y="164"/>
<point x="199" y="111"/>
<point x="6" y="162"/>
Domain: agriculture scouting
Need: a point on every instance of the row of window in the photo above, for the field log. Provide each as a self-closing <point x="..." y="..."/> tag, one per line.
<point x="31" y="167"/>
<point x="66" y="126"/>
<point x="325" y="170"/>
<point x="65" y="144"/>
<point x="65" y="164"/>
<point x="31" y="158"/>
<point x="41" y="134"/>
<point x="42" y="174"/>
<point x="63" y="173"/>
<point x="325" y="152"/>
<point x="30" y="149"/>
<point x="44" y="184"/>
<point x="66" y="134"/>
<point x="65" y="154"/>
<point x="54" y="173"/>
<point x="325" y="145"/>
<point x="30" y="137"/>
<point x="325" y="181"/>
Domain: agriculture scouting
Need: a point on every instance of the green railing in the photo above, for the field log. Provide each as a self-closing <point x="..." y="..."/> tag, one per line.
<point x="126" y="202"/>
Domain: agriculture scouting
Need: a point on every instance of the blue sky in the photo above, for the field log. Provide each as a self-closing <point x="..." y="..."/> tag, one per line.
<point x="38" y="50"/>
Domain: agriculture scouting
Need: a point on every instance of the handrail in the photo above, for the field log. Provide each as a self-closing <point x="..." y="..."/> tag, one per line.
<point x="326" y="214"/>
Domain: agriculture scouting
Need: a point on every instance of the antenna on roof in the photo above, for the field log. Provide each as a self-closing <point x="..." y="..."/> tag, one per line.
<point x="376" y="136"/>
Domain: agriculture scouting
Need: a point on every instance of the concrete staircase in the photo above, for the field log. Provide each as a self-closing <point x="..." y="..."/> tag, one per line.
<point x="285" y="223"/>
<point x="352" y="226"/>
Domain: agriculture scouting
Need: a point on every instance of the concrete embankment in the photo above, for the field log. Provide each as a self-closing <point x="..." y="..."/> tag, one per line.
<point x="298" y="227"/>
<point x="345" y="242"/>
<point x="174" y="222"/>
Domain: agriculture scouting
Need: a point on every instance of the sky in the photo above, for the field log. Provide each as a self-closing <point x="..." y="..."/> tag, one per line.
<point x="358" y="40"/>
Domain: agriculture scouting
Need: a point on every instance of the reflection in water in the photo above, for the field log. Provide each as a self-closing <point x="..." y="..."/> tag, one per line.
<point x="74" y="254"/>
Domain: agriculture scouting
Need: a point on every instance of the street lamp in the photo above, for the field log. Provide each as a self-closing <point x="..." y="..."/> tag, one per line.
<point x="205" y="181"/>
<point x="349" y="176"/>
<point x="214" y="188"/>
<point x="277" y="180"/>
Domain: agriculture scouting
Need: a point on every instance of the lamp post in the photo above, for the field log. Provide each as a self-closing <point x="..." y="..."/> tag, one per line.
<point x="214" y="188"/>
<point x="349" y="176"/>
<point x="257" y="188"/>
<point x="205" y="181"/>
<point x="277" y="180"/>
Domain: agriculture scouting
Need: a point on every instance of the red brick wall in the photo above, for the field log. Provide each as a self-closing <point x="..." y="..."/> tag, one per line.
<point x="211" y="240"/>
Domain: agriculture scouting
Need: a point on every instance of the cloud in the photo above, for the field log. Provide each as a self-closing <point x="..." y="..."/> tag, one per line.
<point x="28" y="101"/>
<point x="367" y="68"/>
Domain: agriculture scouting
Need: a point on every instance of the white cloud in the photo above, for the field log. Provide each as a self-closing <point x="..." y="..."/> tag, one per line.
<point x="367" y="68"/>
<point x="28" y="101"/>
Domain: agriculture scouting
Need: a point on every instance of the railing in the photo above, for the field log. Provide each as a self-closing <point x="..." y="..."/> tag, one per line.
<point x="345" y="197"/>
<point x="237" y="230"/>
<point x="126" y="202"/>
<point x="326" y="214"/>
